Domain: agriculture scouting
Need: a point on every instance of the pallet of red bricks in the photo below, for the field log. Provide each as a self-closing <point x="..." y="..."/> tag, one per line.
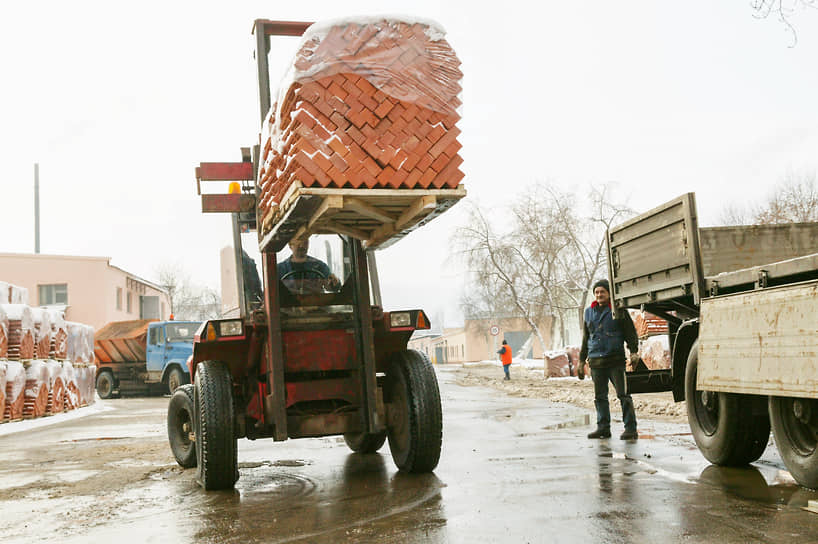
<point x="38" y="377"/>
<point x="362" y="139"/>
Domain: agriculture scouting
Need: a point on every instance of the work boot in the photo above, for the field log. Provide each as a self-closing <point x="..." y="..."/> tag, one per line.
<point x="600" y="433"/>
<point x="629" y="435"/>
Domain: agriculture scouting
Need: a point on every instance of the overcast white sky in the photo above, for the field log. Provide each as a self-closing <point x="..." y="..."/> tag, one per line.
<point x="119" y="105"/>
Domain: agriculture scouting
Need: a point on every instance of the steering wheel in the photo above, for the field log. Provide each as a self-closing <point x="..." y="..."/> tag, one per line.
<point x="301" y="282"/>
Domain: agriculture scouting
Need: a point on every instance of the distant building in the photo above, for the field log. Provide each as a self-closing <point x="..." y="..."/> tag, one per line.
<point x="91" y="290"/>
<point x="475" y="341"/>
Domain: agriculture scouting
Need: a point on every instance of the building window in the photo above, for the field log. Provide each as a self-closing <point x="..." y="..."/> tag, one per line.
<point x="55" y="293"/>
<point x="119" y="298"/>
<point x="129" y="303"/>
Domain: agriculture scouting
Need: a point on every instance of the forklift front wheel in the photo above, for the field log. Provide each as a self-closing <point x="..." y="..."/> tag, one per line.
<point x="414" y="414"/>
<point x="216" y="444"/>
<point x="180" y="426"/>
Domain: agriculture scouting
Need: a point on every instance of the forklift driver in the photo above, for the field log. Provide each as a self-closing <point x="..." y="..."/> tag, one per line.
<point x="302" y="267"/>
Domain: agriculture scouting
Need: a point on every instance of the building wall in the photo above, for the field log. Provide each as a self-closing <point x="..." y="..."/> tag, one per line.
<point x="474" y="341"/>
<point x="91" y="281"/>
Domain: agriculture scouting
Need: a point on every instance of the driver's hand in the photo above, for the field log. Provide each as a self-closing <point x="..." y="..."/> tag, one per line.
<point x="332" y="282"/>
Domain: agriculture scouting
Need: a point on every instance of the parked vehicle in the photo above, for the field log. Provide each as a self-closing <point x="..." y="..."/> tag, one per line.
<point x="143" y="356"/>
<point x="740" y="303"/>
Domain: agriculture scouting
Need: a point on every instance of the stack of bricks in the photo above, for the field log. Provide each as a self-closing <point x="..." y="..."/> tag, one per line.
<point x="20" y="332"/>
<point x="15" y="391"/>
<point x="4" y="334"/>
<point x="42" y="333"/>
<point x="59" y="335"/>
<point x="647" y="324"/>
<point x="56" y="388"/>
<point x="36" y="395"/>
<point x="371" y="105"/>
<point x="2" y="390"/>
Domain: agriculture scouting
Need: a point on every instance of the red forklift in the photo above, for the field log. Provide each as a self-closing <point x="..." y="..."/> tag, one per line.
<point x="307" y="357"/>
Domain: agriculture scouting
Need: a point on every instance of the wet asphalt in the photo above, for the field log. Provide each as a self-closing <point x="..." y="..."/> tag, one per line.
<point x="512" y="470"/>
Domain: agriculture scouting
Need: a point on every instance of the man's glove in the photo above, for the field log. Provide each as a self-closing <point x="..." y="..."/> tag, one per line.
<point x="634" y="360"/>
<point x="581" y="370"/>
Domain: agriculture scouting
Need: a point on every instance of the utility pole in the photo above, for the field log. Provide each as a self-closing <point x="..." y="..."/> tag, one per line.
<point x="36" y="207"/>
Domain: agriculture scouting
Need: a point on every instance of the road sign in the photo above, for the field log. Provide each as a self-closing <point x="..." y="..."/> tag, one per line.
<point x="494" y="330"/>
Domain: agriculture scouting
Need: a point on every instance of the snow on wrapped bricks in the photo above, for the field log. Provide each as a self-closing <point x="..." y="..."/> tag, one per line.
<point x="21" y="332"/>
<point x="59" y="335"/>
<point x="42" y="332"/>
<point x="36" y="395"/>
<point x="4" y="333"/>
<point x="2" y="390"/>
<point x="56" y="387"/>
<point x="365" y="126"/>
<point x="557" y="364"/>
<point x="15" y="390"/>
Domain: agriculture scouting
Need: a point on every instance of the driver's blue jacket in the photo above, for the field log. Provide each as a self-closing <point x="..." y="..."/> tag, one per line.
<point x="302" y="270"/>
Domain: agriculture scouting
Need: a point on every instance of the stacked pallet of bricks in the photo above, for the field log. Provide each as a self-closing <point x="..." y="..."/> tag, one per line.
<point x="557" y="364"/>
<point x="15" y="391"/>
<point x="369" y="104"/>
<point x="59" y="335"/>
<point x="42" y="332"/>
<point x="36" y="393"/>
<point x="654" y="344"/>
<point x="21" y="339"/>
<point x="56" y="387"/>
<point x="4" y="333"/>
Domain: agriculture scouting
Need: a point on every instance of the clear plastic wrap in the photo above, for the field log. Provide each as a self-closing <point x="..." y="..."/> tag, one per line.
<point x="4" y="333"/>
<point x="59" y="334"/>
<point x="367" y="103"/>
<point x="71" y="398"/>
<point x="56" y="387"/>
<point x="88" y="344"/>
<point x="19" y="295"/>
<point x="15" y="390"/>
<point x="2" y="390"/>
<point x="21" y="334"/>
<point x="42" y="332"/>
<point x="5" y="293"/>
<point x="36" y="393"/>
<point x="75" y="341"/>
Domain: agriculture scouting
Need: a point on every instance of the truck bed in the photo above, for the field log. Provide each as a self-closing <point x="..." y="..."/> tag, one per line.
<point x="663" y="260"/>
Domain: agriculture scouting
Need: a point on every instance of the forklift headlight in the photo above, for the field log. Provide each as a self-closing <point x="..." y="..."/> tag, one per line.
<point x="230" y="328"/>
<point x="400" y="319"/>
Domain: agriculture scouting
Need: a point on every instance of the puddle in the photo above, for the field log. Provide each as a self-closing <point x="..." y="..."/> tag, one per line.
<point x="576" y="422"/>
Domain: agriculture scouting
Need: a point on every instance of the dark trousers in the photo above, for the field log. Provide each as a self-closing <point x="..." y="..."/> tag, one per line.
<point x="615" y="375"/>
<point x="505" y="369"/>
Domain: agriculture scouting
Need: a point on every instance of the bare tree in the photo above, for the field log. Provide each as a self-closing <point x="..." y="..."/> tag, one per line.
<point x="188" y="301"/>
<point x="793" y="200"/>
<point x="784" y="10"/>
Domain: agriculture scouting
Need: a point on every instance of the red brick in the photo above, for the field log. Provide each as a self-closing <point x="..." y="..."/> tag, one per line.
<point x="427" y="177"/>
<point x="385" y="107"/>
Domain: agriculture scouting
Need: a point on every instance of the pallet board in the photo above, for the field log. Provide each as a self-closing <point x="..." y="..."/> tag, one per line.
<point x="378" y="217"/>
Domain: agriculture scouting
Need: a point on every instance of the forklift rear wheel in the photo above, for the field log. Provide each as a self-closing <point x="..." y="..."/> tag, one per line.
<point x="180" y="426"/>
<point x="105" y="384"/>
<point x="175" y="379"/>
<point x="365" y="442"/>
<point x="415" y="418"/>
<point x="216" y="444"/>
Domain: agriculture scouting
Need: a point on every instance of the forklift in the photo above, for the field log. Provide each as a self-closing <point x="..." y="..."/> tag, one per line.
<point x="306" y="357"/>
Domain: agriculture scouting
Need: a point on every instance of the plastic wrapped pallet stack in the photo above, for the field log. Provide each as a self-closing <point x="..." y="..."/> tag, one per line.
<point x="21" y="333"/>
<point x="368" y="103"/>
<point x="15" y="390"/>
<point x="59" y="334"/>
<point x="42" y="332"/>
<point x="36" y="395"/>
<point x="4" y="333"/>
<point x="56" y="387"/>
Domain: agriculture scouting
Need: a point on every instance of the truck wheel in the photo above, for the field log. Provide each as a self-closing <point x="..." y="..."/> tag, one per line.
<point x="365" y="442"/>
<point x="176" y="378"/>
<point x="180" y="426"/>
<point x="795" y="429"/>
<point x="216" y="444"/>
<point x="729" y="429"/>
<point x="105" y="384"/>
<point x="415" y="420"/>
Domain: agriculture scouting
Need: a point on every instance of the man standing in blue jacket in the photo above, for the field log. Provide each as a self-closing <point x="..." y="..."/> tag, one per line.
<point x="603" y="339"/>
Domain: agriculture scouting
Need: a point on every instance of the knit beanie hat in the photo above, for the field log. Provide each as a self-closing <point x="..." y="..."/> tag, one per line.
<point x="602" y="283"/>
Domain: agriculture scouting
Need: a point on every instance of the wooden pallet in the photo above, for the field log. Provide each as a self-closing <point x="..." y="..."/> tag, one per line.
<point x="378" y="217"/>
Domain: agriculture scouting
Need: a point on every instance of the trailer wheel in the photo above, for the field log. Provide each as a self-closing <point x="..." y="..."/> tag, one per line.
<point x="795" y="429"/>
<point x="729" y="429"/>
<point x="180" y="426"/>
<point x="216" y="444"/>
<point x="365" y="442"/>
<point x="105" y="384"/>
<point x="176" y="378"/>
<point x="415" y="419"/>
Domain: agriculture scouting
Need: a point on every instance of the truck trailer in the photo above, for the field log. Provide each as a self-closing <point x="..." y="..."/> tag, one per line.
<point x="143" y="356"/>
<point x="743" y="332"/>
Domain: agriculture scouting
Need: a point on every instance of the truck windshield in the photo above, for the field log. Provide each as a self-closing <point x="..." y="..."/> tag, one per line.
<point x="181" y="332"/>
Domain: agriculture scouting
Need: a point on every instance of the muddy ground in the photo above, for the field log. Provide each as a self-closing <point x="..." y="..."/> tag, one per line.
<point x="529" y="383"/>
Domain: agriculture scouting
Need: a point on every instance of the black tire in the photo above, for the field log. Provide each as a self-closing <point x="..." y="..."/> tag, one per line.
<point x="415" y="420"/>
<point x="365" y="442"/>
<point x="795" y="429"/>
<point x="180" y="426"/>
<point x="176" y="379"/>
<point x="729" y="429"/>
<point x="216" y="444"/>
<point x="105" y="384"/>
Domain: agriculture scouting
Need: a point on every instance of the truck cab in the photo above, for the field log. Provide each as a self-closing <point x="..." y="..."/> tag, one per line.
<point x="170" y="343"/>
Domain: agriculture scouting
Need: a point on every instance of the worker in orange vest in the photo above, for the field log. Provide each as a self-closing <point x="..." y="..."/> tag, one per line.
<point x="505" y="358"/>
